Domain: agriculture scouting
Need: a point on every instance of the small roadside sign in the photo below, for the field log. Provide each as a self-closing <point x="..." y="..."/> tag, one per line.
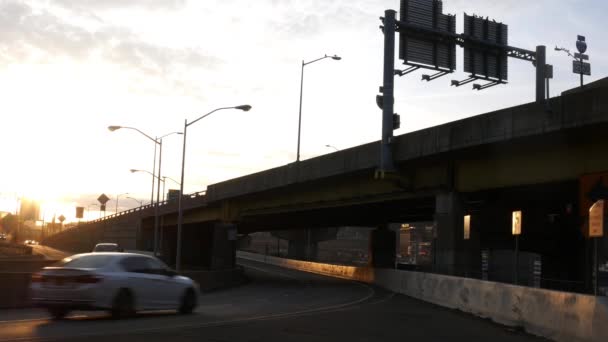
<point x="581" y="56"/>
<point x="79" y="212"/>
<point x="581" y="68"/>
<point x="103" y="199"/>
<point x="596" y="219"/>
<point x="61" y="218"/>
<point x="516" y="223"/>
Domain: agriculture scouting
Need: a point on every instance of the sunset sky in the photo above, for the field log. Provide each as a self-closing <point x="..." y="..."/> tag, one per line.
<point x="70" y="68"/>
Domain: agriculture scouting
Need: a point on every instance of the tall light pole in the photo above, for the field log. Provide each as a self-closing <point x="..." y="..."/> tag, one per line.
<point x="154" y="177"/>
<point x="141" y="203"/>
<point x="180" y="214"/>
<point x="163" y="179"/>
<point x="579" y="58"/>
<point x="334" y="57"/>
<point x="158" y="141"/>
<point x="117" y="196"/>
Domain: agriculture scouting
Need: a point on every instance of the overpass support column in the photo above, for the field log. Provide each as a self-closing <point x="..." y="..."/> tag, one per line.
<point x="302" y="244"/>
<point x="382" y="242"/>
<point x="450" y="256"/>
<point x="223" y="246"/>
<point x="296" y="249"/>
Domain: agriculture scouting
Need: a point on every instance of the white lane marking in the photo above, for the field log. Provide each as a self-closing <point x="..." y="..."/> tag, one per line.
<point x="329" y="308"/>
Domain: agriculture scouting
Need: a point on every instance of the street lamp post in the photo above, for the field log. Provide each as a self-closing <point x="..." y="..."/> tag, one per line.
<point x="157" y="234"/>
<point x="334" y="57"/>
<point x="158" y="141"/>
<point x="330" y="146"/>
<point x="180" y="214"/>
<point x="141" y="203"/>
<point x="117" y="196"/>
<point x="163" y="179"/>
<point x="151" y="174"/>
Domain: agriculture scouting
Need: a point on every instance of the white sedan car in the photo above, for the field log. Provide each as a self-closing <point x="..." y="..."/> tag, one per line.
<point x="121" y="283"/>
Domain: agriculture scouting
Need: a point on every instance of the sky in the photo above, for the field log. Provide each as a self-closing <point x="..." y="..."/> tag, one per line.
<point x="71" y="68"/>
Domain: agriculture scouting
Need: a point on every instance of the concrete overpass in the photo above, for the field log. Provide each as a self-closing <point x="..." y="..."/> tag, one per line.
<point x="527" y="157"/>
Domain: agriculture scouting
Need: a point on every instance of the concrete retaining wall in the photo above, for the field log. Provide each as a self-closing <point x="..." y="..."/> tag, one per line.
<point x="213" y="280"/>
<point x="556" y="315"/>
<point x="24" y="265"/>
<point x="14" y="289"/>
<point x="15" y="278"/>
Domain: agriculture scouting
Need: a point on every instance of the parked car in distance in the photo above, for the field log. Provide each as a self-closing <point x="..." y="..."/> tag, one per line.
<point x="122" y="283"/>
<point x="107" y="247"/>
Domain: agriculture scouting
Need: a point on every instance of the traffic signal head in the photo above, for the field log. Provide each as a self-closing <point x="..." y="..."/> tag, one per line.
<point x="396" y="121"/>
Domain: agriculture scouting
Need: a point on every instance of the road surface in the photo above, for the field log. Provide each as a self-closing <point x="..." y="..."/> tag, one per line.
<point x="49" y="253"/>
<point x="276" y="305"/>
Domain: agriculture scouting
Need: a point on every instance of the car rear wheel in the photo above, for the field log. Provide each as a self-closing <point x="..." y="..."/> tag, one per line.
<point x="123" y="305"/>
<point x="188" y="302"/>
<point x="58" y="313"/>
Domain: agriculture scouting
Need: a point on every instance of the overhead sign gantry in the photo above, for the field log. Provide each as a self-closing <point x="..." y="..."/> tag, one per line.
<point x="428" y="40"/>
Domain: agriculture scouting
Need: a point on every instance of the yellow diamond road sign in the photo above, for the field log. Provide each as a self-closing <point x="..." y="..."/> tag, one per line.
<point x="103" y="199"/>
<point x="596" y="219"/>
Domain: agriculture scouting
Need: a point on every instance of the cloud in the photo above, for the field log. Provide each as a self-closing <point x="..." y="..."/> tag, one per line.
<point x="35" y="34"/>
<point x="21" y="28"/>
<point x="308" y="18"/>
<point x="95" y="5"/>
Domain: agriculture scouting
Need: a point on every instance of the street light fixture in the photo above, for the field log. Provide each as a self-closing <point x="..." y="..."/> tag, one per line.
<point x="117" y="196"/>
<point x="158" y="142"/>
<point x="174" y="181"/>
<point x="163" y="179"/>
<point x="330" y="146"/>
<point x="141" y="203"/>
<point x="334" y="57"/>
<point x="180" y="214"/>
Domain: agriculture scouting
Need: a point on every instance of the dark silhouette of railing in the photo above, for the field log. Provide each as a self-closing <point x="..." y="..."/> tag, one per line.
<point x="196" y="198"/>
<point x="200" y="195"/>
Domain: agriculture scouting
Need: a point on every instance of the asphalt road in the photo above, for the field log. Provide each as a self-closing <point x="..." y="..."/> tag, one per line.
<point x="49" y="253"/>
<point x="276" y="305"/>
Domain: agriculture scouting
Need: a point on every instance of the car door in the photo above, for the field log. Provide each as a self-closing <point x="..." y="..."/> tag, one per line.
<point x="166" y="289"/>
<point x="140" y="281"/>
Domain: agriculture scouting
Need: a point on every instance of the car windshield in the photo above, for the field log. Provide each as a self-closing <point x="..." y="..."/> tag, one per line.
<point x="85" y="261"/>
<point x="106" y="248"/>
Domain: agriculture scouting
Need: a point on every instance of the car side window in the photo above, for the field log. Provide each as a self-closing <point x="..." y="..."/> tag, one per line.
<point x="156" y="266"/>
<point x="135" y="265"/>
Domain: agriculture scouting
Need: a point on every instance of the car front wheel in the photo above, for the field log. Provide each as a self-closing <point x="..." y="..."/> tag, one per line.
<point x="123" y="304"/>
<point x="188" y="302"/>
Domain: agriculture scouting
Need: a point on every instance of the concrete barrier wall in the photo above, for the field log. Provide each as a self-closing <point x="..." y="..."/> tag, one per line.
<point x="15" y="278"/>
<point x="556" y="315"/>
<point x="362" y="274"/>
<point x="14" y="289"/>
<point x="24" y="265"/>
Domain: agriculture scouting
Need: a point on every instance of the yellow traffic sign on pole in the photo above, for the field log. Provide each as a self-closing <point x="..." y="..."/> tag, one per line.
<point x="516" y="223"/>
<point x="596" y="219"/>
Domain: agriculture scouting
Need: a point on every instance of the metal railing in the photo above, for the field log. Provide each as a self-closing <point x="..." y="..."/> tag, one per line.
<point x="189" y="199"/>
<point x="195" y="195"/>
